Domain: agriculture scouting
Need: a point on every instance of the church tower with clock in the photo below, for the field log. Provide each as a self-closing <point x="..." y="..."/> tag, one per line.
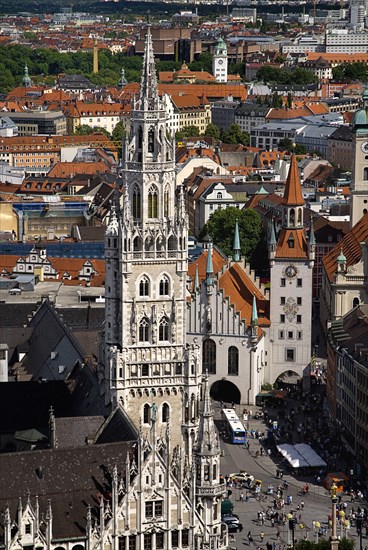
<point x="359" y="181"/>
<point x="150" y="371"/>
<point x="291" y="257"/>
<point x="219" y="61"/>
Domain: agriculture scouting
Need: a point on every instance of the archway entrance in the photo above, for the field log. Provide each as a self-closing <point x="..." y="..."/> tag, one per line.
<point x="287" y="380"/>
<point x="225" y="391"/>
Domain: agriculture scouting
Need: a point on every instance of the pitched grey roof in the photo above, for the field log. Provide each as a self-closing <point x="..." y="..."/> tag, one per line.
<point x="74" y="431"/>
<point x="71" y="478"/>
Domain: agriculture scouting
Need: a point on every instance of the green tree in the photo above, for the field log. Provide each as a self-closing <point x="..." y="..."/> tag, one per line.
<point x="344" y="544"/>
<point x="289" y="101"/>
<point x="212" y="131"/>
<point x="221" y="227"/>
<point x="187" y="131"/>
<point x="203" y="63"/>
<point x="235" y="135"/>
<point x="85" y="130"/>
<point x="286" y="144"/>
<point x="276" y="101"/>
<point x="118" y="132"/>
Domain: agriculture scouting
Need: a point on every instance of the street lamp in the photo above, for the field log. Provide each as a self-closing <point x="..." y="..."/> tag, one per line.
<point x="359" y="525"/>
<point x="334" y="499"/>
<point x="316" y="527"/>
<point x="292" y="522"/>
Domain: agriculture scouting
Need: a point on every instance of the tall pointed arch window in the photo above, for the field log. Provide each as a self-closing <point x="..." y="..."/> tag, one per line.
<point x="151" y="140"/>
<point x="144" y="286"/>
<point x="163" y="329"/>
<point x="233" y="361"/>
<point x="152" y="202"/>
<point x="166" y="202"/>
<point x="164" y="286"/>
<point x="165" y="412"/>
<point x="144" y="330"/>
<point x="209" y="356"/>
<point x="136" y="202"/>
<point x="140" y="137"/>
<point x="146" y="414"/>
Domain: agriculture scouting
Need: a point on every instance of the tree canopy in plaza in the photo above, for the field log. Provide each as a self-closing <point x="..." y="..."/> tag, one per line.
<point x="221" y="228"/>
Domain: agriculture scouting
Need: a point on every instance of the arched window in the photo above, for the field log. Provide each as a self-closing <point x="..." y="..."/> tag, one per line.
<point x="233" y="361"/>
<point x="136" y="202"/>
<point x="163" y="330"/>
<point x="152" y="202"/>
<point x="151" y="140"/>
<point x="292" y="216"/>
<point x="137" y="244"/>
<point x="140" y="137"/>
<point x="165" y="412"/>
<point x="172" y="243"/>
<point x="144" y="286"/>
<point x="299" y="216"/>
<point x="209" y="356"/>
<point x="164" y="286"/>
<point x="356" y="302"/>
<point x="365" y="173"/>
<point x="166" y="203"/>
<point x="146" y="414"/>
<point x="144" y="330"/>
<point x="219" y="195"/>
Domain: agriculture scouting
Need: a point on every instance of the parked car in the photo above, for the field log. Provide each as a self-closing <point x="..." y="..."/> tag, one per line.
<point x="242" y="477"/>
<point x="15" y="291"/>
<point x="235" y="527"/>
<point x="230" y="519"/>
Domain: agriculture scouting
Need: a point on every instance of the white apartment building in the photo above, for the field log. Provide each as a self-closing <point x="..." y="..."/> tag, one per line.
<point x="345" y="41"/>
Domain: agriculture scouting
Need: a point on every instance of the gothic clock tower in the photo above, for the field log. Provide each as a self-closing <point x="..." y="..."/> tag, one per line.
<point x="149" y="369"/>
<point x="291" y="261"/>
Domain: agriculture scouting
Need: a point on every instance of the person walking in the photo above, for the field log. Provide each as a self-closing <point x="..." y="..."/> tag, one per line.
<point x="241" y="497"/>
<point x="261" y="535"/>
<point x="249" y="536"/>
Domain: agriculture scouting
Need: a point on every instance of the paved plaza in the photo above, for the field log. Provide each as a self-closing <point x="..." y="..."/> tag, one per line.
<point x="317" y="504"/>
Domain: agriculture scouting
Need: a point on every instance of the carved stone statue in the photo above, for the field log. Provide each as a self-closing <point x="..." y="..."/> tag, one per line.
<point x="153" y="412"/>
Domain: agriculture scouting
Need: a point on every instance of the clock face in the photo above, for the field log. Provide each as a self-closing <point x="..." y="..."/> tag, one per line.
<point x="364" y="147"/>
<point x="220" y="62"/>
<point x="290" y="271"/>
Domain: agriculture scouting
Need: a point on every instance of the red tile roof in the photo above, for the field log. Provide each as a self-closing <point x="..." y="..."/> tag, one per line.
<point x="240" y="289"/>
<point x="300" y="248"/>
<point x="350" y="245"/>
<point x="293" y="195"/>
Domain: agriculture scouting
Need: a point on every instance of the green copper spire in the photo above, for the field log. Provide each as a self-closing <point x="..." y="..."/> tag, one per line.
<point x="236" y="245"/>
<point x="26" y="79"/>
<point x="209" y="266"/>
<point x="254" y="312"/>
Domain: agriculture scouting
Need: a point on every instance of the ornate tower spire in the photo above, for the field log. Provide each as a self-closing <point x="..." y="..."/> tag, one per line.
<point x="207" y="442"/>
<point x="293" y="201"/>
<point x="254" y="320"/>
<point x="26" y="80"/>
<point x="209" y="266"/>
<point x="209" y="488"/>
<point x="236" y="245"/>
<point x="148" y="96"/>
<point x="271" y="242"/>
<point x="311" y="242"/>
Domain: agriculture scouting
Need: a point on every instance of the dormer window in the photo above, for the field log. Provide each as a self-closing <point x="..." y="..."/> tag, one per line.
<point x="291" y="241"/>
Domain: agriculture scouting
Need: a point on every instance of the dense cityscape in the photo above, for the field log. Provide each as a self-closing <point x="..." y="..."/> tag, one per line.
<point x="184" y="275"/>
